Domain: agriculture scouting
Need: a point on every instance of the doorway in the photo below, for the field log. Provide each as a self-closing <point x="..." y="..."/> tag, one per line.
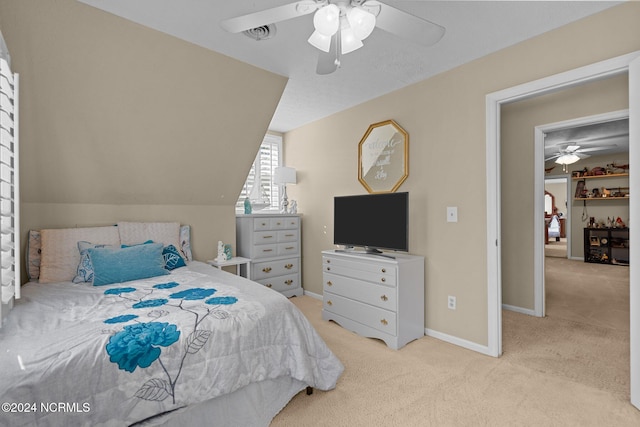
<point x="630" y="64"/>
<point x="556" y="217"/>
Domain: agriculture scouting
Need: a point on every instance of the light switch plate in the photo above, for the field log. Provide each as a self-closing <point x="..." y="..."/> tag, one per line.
<point x="452" y="214"/>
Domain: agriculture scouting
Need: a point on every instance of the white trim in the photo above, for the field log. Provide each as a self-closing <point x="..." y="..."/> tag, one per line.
<point x="313" y="295"/>
<point x="520" y="310"/>
<point x="458" y="341"/>
<point x="634" y="215"/>
<point x="494" y="101"/>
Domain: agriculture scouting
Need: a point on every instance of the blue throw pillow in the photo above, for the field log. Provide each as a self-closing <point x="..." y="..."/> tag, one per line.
<point x="172" y="258"/>
<point x="125" y="264"/>
<point x="84" y="272"/>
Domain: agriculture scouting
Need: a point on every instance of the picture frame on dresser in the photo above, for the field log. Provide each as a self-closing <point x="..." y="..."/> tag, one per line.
<point x="273" y="243"/>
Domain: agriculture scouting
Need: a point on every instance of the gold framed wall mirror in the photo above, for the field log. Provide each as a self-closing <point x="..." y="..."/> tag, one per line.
<point x="383" y="157"/>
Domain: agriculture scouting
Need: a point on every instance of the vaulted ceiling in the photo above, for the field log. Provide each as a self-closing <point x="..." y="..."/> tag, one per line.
<point x="385" y="63"/>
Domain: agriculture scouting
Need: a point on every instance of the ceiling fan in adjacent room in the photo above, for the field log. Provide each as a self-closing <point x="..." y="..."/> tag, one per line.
<point x="571" y="153"/>
<point x="340" y="26"/>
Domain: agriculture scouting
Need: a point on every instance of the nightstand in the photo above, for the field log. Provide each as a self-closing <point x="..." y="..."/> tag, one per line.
<point x="236" y="260"/>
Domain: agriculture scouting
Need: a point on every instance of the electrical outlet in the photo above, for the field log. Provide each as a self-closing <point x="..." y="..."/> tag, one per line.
<point x="451" y="302"/>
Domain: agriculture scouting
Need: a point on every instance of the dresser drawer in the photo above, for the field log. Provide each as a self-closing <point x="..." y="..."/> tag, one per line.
<point x="282" y="283"/>
<point x="265" y="237"/>
<point x="374" y="317"/>
<point x="371" y="267"/>
<point x="288" y="236"/>
<point x="288" y="249"/>
<point x="379" y="295"/>
<point x="266" y="269"/>
<point x="264" y="251"/>
<point x="384" y="278"/>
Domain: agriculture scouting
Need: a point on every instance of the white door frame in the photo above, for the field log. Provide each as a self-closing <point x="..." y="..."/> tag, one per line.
<point x="565" y="80"/>
<point x="539" y="177"/>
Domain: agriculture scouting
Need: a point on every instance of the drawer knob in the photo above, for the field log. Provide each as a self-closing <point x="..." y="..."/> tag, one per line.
<point x="328" y="261"/>
<point x="288" y="282"/>
<point x="329" y="302"/>
<point x="267" y="237"/>
<point x="264" y="223"/>
<point x="384" y="270"/>
<point x="329" y="283"/>
<point x="278" y="223"/>
<point x="268" y="285"/>
<point x="289" y="235"/>
<point x="288" y="266"/>
<point x="383" y="280"/>
<point x="384" y="322"/>
<point x="267" y="250"/>
<point x="290" y="247"/>
<point x="328" y="268"/>
<point x="384" y="298"/>
<point x="266" y="269"/>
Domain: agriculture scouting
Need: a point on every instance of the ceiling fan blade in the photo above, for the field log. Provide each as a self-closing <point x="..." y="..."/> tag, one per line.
<point x="328" y="62"/>
<point x="405" y="25"/>
<point x="552" y="157"/>
<point x="585" y="150"/>
<point x="270" y="16"/>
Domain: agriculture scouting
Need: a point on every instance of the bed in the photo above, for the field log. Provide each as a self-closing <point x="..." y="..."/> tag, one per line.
<point x="191" y="344"/>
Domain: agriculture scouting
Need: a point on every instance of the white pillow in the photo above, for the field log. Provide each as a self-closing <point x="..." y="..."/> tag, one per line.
<point x="133" y="233"/>
<point x="59" y="250"/>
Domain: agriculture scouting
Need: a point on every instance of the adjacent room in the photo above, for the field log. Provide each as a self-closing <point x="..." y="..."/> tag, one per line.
<point x="319" y="212"/>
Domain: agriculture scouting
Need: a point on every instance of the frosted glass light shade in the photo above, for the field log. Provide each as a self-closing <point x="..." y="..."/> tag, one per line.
<point x="567" y="159"/>
<point x="327" y="20"/>
<point x="349" y="41"/>
<point x="320" y="41"/>
<point x="361" y="21"/>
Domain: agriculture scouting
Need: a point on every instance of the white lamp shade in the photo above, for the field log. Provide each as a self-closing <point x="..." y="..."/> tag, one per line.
<point x="285" y="175"/>
<point x="320" y="41"/>
<point x="567" y="159"/>
<point x="327" y="20"/>
<point x="361" y="21"/>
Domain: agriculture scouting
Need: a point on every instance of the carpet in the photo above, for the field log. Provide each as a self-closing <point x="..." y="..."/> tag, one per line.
<point x="568" y="369"/>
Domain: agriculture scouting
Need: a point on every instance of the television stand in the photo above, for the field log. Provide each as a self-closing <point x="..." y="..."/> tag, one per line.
<point x="375" y="297"/>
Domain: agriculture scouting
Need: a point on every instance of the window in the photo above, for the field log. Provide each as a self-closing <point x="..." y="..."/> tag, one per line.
<point x="9" y="194"/>
<point x="259" y="186"/>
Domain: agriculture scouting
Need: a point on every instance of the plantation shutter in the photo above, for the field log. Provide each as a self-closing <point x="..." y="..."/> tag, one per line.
<point x="9" y="192"/>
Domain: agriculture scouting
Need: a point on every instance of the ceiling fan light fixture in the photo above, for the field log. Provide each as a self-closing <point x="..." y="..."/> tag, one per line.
<point x="327" y="20"/>
<point x="320" y="41"/>
<point x="567" y="159"/>
<point x="349" y="41"/>
<point x="361" y="21"/>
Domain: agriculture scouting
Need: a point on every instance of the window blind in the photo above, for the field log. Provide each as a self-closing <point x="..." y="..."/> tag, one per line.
<point x="266" y="162"/>
<point x="9" y="189"/>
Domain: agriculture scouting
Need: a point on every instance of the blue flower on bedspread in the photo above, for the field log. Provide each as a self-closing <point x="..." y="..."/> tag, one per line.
<point x="166" y="285"/>
<point x="118" y="291"/>
<point x="137" y="345"/>
<point x="221" y="300"/>
<point x="121" y="319"/>
<point x="194" y="294"/>
<point x="150" y="303"/>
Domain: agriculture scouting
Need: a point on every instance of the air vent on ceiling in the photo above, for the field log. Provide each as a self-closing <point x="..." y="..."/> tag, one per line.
<point x="264" y="32"/>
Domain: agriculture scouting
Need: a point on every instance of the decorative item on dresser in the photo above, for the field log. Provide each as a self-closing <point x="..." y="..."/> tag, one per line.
<point x="272" y="242"/>
<point x="376" y="297"/>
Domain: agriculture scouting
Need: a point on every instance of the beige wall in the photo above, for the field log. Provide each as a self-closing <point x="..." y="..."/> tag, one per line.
<point x="445" y="119"/>
<point x="120" y="122"/>
<point x="517" y="132"/>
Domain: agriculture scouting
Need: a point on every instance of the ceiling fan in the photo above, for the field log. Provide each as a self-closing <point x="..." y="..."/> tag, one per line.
<point x="341" y="25"/>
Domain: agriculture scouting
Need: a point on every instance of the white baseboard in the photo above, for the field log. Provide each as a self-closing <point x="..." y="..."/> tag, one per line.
<point x="521" y="310"/>
<point x="313" y="295"/>
<point x="458" y="341"/>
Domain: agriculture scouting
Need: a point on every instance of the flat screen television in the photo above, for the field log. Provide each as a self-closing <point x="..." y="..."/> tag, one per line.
<point x="374" y="221"/>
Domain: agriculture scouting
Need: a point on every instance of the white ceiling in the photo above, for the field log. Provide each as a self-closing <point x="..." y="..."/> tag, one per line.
<point x="386" y="62"/>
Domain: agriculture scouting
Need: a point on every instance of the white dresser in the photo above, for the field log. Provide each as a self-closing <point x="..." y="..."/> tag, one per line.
<point x="375" y="296"/>
<point x="272" y="242"/>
